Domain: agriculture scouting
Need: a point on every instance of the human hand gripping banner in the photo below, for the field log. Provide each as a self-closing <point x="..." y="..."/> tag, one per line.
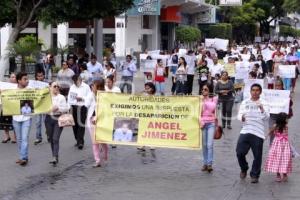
<point x="26" y="101"/>
<point x="156" y="121"/>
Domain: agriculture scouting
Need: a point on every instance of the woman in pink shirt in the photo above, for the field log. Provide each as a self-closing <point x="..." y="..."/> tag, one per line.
<point x="208" y="117"/>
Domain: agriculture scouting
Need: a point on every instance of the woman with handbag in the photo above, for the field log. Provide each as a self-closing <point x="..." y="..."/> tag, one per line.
<point x="208" y="126"/>
<point x="97" y="85"/>
<point x="53" y="129"/>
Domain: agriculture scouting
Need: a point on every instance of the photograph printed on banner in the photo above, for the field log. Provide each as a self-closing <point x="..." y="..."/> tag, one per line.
<point x="26" y="107"/>
<point x="125" y="129"/>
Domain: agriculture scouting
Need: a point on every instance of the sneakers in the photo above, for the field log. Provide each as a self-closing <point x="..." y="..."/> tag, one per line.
<point x="54" y="161"/>
<point x="37" y="141"/>
<point x="209" y="168"/>
<point x="243" y="175"/>
<point x="96" y="164"/>
<point x="254" y="180"/>
<point x="204" y="168"/>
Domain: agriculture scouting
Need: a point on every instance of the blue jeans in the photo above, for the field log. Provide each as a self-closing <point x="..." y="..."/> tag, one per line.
<point x="287" y="83"/>
<point x="160" y="88"/>
<point x="126" y="81"/>
<point x="208" y="132"/>
<point x="22" y="130"/>
<point x="39" y="121"/>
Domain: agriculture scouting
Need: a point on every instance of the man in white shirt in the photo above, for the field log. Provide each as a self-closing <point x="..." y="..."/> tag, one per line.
<point x="216" y="68"/>
<point x="123" y="134"/>
<point x="253" y="113"/>
<point x="22" y="124"/>
<point x="78" y="94"/>
<point x="128" y="70"/>
<point x="95" y="69"/>
<point x="191" y="64"/>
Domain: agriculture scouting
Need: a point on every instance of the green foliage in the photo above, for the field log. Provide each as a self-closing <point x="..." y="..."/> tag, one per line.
<point x="25" y="46"/>
<point x="292" y="5"/>
<point x="222" y="30"/>
<point x="57" y="11"/>
<point x="286" y="31"/>
<point x="187" y="34"/>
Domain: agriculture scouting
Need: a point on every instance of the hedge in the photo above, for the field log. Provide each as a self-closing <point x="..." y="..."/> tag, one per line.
<point x="286" y="31"/>
<point x="187" y="34"/>
<point x="222" y="30"/>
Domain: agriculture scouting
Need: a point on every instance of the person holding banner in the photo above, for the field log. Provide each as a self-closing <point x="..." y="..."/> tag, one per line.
<point x="39" y="76"/>
<point x="181" y="77"/>
<point x="6" y="121"/>
<point x="159" y="77"/>
<point x="225" y="90"/>
<point x="98" y="85"/>
<point x="208" y="118"/>
<point x="272" y="120"/>
<point x="128" y="70"/>
<point x="278" y="58"/>
<point x="253" y="113"/>
<point x="59" y="106"/>
<point x="22" y="125"/>
<point x="78" y="94"/>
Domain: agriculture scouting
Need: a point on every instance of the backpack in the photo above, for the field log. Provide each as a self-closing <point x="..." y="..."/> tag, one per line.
<point x="174" y="59"/>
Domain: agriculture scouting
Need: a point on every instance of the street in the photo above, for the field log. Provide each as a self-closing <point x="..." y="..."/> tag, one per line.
<point x="176" y="174"/>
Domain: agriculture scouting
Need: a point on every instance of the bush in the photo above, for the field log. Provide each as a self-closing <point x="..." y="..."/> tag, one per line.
<point x="222" y="30"/>
<point x="286" y="31"/>
<point x="187" y="34"/>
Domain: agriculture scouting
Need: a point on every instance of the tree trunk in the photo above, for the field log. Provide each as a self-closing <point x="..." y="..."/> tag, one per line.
<point x="23" y="64"/>
<point x="4" y="61"/>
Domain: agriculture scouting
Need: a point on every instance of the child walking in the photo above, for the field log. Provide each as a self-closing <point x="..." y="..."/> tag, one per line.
<point x="279" y="159"/>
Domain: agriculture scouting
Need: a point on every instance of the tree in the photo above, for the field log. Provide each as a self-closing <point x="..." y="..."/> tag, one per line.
<point x="25" y="46"/>
<point x="252" y="11"/>
<point x="187" y="34"/>
<point x="21" y="13"/>
<point x="292" y="5"/>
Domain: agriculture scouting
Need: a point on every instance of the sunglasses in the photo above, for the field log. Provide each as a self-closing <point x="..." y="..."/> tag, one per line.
<point x="55" y="86"/>
<point x="204" y="89"/>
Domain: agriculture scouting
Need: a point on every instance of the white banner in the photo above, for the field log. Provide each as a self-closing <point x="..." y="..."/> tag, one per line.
<point x="278" y="100"/>
<point x="249" y="83"/>
<point x="209" y="42"/>
<point x="287" y="71"/>
<point x="7" y="85"/>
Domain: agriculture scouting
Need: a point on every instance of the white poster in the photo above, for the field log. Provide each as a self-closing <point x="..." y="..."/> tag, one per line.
<point x="230" y="2"/>
<point x="37" y="84"/>
<point x="149" y="65"/>
<point x="248" y="84"/>
<point x="287" y="71"/>
<point x="221" y="44"/>
<point x="209" y="42"/>
<point x="155" y="52"/>
<point x="278" y="100"/>
<point x="241" y="70"/>
<point x="182" y="52"/>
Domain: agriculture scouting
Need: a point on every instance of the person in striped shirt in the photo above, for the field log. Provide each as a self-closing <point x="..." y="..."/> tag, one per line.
<point x="253" y="113"/>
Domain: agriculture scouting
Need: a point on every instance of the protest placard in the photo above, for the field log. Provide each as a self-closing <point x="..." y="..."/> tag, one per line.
<point x="287" y="71"/>
<point x="248" y="84"/>
<point x="221" y="44"/>
<point x="26" y="101"/>
<point x="209" y="42"/>
<point x="154" y="52"/>
<point x="37" y="84"/>
<point x="230" y="68"/>
<point x="149" y="65"/>
<point x="241" y="70"/>
<point x="182" y="52"/>
<point x="278" y="100"/>
<point x="159" y="121"/>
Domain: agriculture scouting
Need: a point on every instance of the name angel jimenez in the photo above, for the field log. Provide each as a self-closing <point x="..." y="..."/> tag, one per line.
<point x="165" y="131"/>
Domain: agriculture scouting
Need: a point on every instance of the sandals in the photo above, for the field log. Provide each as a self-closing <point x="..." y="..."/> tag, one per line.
<point x="6" y="140"/>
